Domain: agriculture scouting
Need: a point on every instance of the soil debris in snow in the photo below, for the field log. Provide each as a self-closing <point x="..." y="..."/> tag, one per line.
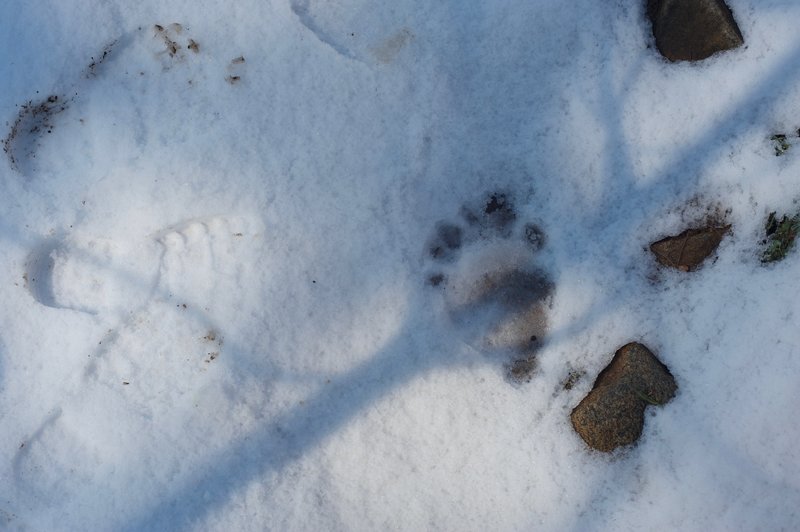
<point x="33" y="120"/>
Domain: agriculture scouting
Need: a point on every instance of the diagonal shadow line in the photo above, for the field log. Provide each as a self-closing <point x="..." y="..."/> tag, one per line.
<point x="302" y="429"/>
<point x="619" y="163"/>
<point x="3" y="407"/>
<point x="295" y="433"/>
<point x="701" y="151"/>
<point x="633" y="208"/>
<point x="695" y="428"/>
<point x="738" y="119"/>
<point x="291" y="435"/>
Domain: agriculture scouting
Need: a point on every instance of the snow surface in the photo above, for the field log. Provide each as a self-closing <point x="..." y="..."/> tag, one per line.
<point x="215" y="313"/>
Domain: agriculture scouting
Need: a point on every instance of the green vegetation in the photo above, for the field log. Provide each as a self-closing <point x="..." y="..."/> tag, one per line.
<point x="573" y="378"/>
<point x="780" y="143"/>
<point x="780" y="236"/>
<point x="646" y="398"/>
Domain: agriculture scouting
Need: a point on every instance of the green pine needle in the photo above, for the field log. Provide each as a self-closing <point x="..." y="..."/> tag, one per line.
<point x="780" y="236"/>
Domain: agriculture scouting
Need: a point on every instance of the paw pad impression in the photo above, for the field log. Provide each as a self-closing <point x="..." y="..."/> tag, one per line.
<point x="495" y="295"/>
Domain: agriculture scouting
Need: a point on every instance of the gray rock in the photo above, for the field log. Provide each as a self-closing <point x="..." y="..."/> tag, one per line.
<point x="692" y="30"/>
<point x="612" y="414"/>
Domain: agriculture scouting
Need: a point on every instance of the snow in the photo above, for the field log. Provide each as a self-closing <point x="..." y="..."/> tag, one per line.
<point x="216" y="313"/>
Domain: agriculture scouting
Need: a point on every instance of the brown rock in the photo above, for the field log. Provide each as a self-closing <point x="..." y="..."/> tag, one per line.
<point x="692" y="30"/>
<point x="689" y="249"/>
<point x="612" y="414"/>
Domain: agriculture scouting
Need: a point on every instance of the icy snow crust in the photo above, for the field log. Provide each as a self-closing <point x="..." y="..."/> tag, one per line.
<point x="215" y="313"/>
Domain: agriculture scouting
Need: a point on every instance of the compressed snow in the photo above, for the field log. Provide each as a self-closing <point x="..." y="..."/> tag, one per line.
<point x="217" y="312"/>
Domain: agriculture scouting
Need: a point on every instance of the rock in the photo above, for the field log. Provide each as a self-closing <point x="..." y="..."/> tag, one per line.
<point x="612" y="414"/>
<point x="689" y="249"/>
<point x="692" y="30"/>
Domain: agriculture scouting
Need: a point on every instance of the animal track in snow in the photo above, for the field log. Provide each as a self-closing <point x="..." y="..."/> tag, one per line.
<point x="352" y="33"/>
<point x="201" y="258"/>
<point x="302" y="11"/>
<point x="93" y="275"/>
<point x="173" y="43"/>
<point x="100" y="275"/>
<point x="157" y="368"/>
<point x="236" y="68"/>
<point x="495" y="295"/>
<point x="203" y="270"/>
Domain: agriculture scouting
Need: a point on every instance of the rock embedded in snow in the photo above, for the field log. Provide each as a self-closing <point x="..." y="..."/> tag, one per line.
<point x="612" y="414"/>
<point x="692" y="30"/>
<point x="689" y="249"/>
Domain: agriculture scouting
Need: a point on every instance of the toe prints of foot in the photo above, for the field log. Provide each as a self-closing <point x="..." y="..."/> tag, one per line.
<point x="235" y="70"/>
<point x="174" y="41"/>
<point x="495" y="294"/>
<point x="195" y="251"/>
<point x="493" y="218"/>
<point x="173" y="44"/>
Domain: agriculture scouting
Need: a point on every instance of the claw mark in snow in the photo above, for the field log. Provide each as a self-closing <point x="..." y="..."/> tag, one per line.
<point x="31" y="444"/>
<point x="38" y="274"/>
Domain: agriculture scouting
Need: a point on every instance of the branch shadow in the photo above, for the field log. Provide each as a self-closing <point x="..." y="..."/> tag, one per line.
<point x="303" y="428"/>
<point x="3" y="351"/>
<point x="293" y="434"/>
<point x="631" y="210"/>
<point x="628" y="213"/>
